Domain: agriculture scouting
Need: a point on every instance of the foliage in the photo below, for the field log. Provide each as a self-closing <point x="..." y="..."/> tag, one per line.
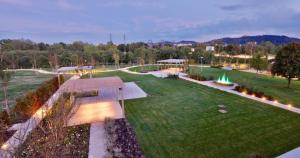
<point x="27" y="54"/>
<point x="121" y="140"/>
<point x="173" y="76"/>
<point x="287" y="62"/>
<point x="259" y="62"/>
<point x="5" y="77"/>
<point x="28" y="104"/>
<point x="251" y="91"/>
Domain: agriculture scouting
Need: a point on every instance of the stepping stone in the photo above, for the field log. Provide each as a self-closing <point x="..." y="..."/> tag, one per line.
<point x="222" y="106"/>
<point x="222" y="111"/>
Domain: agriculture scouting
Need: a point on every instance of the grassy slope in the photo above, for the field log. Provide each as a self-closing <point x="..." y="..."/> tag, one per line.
<point x="276" y="87"/>
<point x="180" y="119"/>
<point x="21" y="82"/>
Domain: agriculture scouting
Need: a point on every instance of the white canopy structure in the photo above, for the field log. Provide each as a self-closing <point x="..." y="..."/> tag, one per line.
<point x="97" y="84"/>
<point x="74" y="68"/>
<point x="172" y="61"/>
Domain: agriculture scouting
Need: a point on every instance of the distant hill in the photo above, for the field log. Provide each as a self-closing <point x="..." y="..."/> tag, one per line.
<point x="258" y="39"/>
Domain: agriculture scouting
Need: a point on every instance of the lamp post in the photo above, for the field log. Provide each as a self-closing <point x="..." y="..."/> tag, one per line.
<point x="201" y="63"/>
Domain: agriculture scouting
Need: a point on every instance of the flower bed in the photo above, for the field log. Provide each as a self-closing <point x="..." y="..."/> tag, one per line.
<point x="250" y="91"/>
<point x="52" y="139"/>
<point x="121" y="140"/>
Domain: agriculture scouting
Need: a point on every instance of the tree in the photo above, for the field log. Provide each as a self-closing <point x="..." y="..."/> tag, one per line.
<point x="259" y="62"/>
<point x="287" y="62"/>
<point x="5" y="76"/>
<point x="116" y="57"/>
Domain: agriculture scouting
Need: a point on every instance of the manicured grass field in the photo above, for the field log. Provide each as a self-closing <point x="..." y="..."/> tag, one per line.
<point x="180" y="119"/>
<point x="276" y="87"/>
<point x="20" y="83"/>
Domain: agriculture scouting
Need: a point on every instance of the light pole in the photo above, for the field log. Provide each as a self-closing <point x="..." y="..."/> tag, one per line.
<point x="201" y="63"/>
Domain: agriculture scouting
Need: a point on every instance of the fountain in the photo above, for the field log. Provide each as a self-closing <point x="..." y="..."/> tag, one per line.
<point x="224" y="81"/>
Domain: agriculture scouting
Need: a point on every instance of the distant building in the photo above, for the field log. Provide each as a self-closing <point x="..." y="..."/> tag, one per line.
<point x="210" y="48"/>
<point x="183" y="44"/>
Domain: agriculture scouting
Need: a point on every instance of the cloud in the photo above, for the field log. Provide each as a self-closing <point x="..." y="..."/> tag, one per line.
<point x="132" y="3"/>
<point x="66" y="5"/>
<point x="16" y="2"/>
<point x="233" y="7"/>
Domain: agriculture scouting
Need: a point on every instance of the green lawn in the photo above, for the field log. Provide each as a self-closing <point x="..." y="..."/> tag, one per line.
<point x="145" y="68"/>
<point x="21" y="82"/>
<point x="180" y="119"/>
<point x="277" y="87"/>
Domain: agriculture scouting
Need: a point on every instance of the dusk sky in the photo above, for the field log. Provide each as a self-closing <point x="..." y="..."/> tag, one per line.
<point x="143" y="20"/>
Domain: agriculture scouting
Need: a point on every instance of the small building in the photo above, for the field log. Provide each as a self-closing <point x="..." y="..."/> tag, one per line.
<point x="76" y="69"/>
<point x="210" y="48"/>
<point x="173" y="61"/>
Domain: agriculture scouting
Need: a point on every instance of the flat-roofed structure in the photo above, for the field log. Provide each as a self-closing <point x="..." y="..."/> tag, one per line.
<point x="100" y="85"/>
<point x="172" y="61"/>
<point x="92" y="84"/>
<point x="74" y="68"/>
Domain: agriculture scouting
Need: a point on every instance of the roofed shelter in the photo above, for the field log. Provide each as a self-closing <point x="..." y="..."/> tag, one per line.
<point x="171" y="62"/>
<point x="76" y="69"/>
<point x="96" y="84"/>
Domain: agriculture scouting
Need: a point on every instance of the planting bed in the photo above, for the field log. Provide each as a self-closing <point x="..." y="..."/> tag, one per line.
<point x="52" y="139"/>
<point x="121" y="140"/>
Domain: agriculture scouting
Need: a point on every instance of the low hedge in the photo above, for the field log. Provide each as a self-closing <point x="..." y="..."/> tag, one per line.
<point x="251" y="91"/>
<point x="121" y="140"/>
<point x="216" y="66"/>
<point x="173" y="76"/>
<point x="200" y="77"/>
<point x="28" y="104"/>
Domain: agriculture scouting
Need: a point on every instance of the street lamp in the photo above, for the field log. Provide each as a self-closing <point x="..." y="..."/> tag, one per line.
<point x="201" y="63"/>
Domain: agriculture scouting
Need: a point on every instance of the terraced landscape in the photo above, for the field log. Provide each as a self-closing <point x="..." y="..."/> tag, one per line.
<point x="180" y="119"/>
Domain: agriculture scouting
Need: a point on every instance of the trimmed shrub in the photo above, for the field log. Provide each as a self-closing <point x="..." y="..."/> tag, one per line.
<point x="27" y="105"/>
<point x="4" y="117"/>
<point x="211" y="78"/>
<point x="173" y="76"/>
<point x="251" y="91"/>
<point x="216" y="66"/>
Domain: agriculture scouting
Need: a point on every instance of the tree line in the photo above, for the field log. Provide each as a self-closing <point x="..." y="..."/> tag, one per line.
<point x="27" y="54"/>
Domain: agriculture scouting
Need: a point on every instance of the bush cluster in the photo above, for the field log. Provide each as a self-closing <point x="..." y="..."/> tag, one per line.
<point x="28" y="104"/>
<point x="251" y="91"/>
<point x="173" y="76"/>
<point x="121" y="140"/>
<point x="201" y="78"/>
<point x="216" y="66"/>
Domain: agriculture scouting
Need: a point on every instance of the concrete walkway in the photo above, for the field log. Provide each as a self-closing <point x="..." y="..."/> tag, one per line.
<point x="291" y="154"/>
<point x="97" y="145"/>
<point x="92" y="110"/>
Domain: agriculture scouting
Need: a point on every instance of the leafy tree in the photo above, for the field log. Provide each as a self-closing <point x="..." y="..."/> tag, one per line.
<point x="259" y="62"/>
<point x="5" y="77"/>
<point x="287" y="62"/>
<point x="116" y="56"/>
